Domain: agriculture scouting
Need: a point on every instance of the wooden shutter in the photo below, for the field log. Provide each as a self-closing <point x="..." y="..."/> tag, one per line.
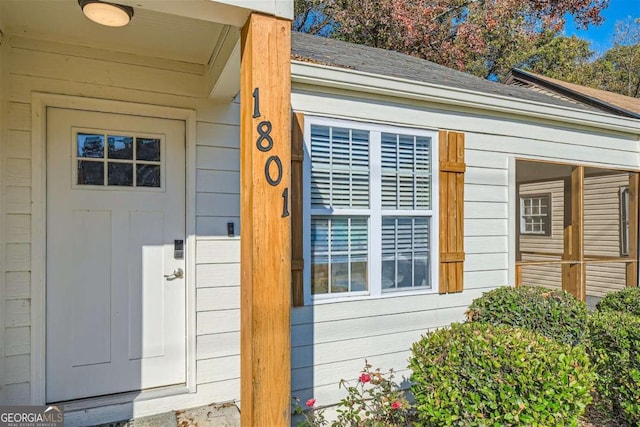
<point x="452" y="168"/>
<point x="297" y="261"/>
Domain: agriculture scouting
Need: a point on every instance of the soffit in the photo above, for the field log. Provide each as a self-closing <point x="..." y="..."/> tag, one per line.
<point x="149" y="33"/>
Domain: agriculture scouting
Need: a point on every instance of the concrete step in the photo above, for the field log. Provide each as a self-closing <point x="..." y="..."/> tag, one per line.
<point x="214" y="415"/>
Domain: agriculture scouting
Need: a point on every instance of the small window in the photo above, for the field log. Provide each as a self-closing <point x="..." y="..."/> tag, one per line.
<point x="624" y="221"/>
<point x="535" y="214"/>
<point x="123" y="161"/>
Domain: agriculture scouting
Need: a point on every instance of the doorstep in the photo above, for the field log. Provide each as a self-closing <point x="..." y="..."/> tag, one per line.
<point x="214" y="415"/>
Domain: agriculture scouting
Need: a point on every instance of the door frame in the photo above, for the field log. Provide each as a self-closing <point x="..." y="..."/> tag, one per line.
<point x="39" y="104"/>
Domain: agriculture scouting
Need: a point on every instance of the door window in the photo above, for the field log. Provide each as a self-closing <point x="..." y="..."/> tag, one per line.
<point x="125" y="160"/>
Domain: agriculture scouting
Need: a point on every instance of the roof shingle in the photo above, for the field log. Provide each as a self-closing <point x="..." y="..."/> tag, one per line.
<point x="336" y="53"/>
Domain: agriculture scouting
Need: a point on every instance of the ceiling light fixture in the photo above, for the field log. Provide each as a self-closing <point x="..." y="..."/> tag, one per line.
<point x="109" y="14"/>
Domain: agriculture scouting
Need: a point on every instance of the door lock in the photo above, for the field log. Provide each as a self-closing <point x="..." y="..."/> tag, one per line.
<point x="178" y="249"/>
<point x="177" y="274"/>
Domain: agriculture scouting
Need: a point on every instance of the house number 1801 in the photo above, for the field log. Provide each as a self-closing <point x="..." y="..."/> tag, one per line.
<point x="264" y="143"/>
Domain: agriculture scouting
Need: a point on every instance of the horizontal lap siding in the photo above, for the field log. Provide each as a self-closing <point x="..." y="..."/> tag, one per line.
<point x="330" y="341"/>
<point x="547" y="275"/>
<point x="601" y="235"/>
<point x="39" y="66"/>
<point x="602" y="232"/>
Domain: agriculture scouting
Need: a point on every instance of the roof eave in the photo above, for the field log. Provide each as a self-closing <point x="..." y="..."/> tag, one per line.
<point x="347" y="79"/>
<point x="517" y="73"/>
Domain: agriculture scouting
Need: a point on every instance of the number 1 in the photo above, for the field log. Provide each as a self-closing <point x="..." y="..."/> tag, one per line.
<point x="256" y="103"/>
<point x="285" y="203"/>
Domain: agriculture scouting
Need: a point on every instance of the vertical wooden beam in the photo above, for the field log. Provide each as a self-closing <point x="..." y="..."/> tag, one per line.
<point x="265" y="158"/>
<point x="518" y="275"/>
<point x="575" y="280"/>
<point x="566" y="236"/>
<point x="297" y="259"/>
<point x="632" y="267"/>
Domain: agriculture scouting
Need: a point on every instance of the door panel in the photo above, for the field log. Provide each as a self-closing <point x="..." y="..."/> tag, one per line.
<point x="115" y="205"/>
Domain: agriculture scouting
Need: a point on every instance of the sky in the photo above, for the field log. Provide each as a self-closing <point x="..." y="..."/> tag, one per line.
<point x="600" y="36"/>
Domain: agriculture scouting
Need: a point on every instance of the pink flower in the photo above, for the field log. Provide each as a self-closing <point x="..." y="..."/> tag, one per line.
<point x="396" y="405"/>
<point x="311" y="402"/>
<point x="365" y="378"/>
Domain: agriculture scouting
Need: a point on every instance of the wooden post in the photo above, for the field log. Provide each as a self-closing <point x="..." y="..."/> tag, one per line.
<point x="632" y="267"/>
<point x="574" y="274"/>
<point x="518" y="275"/>
<point x="265" y="158"/>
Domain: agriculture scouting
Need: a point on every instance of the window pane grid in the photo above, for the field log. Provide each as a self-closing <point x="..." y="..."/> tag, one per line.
<point x="535" y="214"/>
<point x="405" y="252"/>
<point x="360" y="179"/>
<point x="123" y="161"/>
<point x="339" y="254"/>
<point x="406" y="172"/>
<point x="339" y="167"/>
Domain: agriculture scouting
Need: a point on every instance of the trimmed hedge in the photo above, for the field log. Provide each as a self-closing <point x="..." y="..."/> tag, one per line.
<point x="615" y="353"/>
<point x="476" y="374"/>
<point x="626" y="300"/>
<point x="554" y="314"/>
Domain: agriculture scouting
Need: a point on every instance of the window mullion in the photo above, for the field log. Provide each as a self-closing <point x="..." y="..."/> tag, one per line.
<point x="375" y="217"/>
<point x="413" y="250"/>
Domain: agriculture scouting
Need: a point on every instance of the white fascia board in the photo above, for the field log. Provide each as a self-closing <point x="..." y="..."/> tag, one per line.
<point x="346" y="79"/>
<point x="205" y="10"/>
<point x="279" y="8"/>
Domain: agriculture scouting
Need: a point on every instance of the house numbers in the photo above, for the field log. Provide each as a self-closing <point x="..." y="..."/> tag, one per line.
<point x="273" y="166"/>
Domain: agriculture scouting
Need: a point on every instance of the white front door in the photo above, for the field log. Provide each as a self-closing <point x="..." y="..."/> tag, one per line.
<point x="115" y="209"/>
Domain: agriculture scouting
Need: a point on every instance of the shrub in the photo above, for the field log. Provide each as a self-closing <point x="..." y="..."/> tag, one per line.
<point x="615" y="353"/>
<point x="626" y="300"/>
<point x="373" y="400"/>
<point x="476" y="374"/>
<point x="554" y="314"/>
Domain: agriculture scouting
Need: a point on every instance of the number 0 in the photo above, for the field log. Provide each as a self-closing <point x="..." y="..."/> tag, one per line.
<point x="267" y="171"/>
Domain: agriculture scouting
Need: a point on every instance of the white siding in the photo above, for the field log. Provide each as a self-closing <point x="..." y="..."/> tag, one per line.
<point x="330" y="341"/>
<point x="38" y="66"/>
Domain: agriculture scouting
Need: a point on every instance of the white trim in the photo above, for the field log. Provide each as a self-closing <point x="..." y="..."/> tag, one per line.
<point x="512" y="200"/>
<point x="623" y="206"/>
<point x="374" y="215"/>
<point x="39" y="104"/>
<point x="340" y="78"/>
<point x="546" y="226"/>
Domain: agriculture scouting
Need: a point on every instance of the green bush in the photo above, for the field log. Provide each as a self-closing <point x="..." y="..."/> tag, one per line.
<point x="554" y="314"/>
<point x="626" y="300"/>
<point x="476" y="374"/>
<point x="615" y="354"/>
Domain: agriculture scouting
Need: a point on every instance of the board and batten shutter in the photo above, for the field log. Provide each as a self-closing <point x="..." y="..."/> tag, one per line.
<point x="297" y="259"/>
<point x="451" y="217"/>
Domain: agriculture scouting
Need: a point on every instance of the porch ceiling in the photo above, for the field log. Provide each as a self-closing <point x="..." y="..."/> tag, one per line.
<point x="528" y="171"/>
<point x="150" y="33"/>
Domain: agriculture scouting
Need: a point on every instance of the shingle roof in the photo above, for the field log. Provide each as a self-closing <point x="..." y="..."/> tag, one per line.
<point x="607" y="101"/>
<point x="336" y="53"/>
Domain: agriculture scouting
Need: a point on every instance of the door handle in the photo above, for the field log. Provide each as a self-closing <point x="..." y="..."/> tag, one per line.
<point x="177" y="274"/>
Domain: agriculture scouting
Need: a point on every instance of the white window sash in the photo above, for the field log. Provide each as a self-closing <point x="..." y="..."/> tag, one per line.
<point x="375" y="213"/>
<point x="535" y="219"/>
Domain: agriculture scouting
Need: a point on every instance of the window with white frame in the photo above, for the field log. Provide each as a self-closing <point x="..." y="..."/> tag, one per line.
<point x="624" y="220"/>
<point x="369" y="203"/>
<point x="535" y="214"/>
